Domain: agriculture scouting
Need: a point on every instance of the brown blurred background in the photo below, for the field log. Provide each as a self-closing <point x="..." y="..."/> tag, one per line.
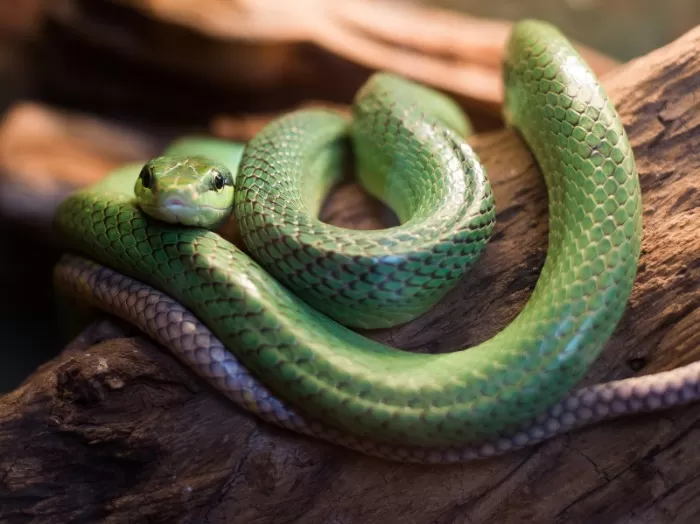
<point x="106" y="60"/>
<point x="623" y="29"/>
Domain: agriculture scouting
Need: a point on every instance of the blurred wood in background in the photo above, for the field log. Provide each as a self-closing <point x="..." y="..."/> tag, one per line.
<point x="623" y="29"/>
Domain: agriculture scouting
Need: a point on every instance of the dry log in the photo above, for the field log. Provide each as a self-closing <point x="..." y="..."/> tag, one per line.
<point x="184" y="61"/>
<point x="116" y="430"/>
<point x="45" y="154"/>
<point x="442" y="48"/>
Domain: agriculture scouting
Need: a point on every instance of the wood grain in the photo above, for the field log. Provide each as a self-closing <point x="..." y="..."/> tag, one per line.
<point x="116" y="430"/>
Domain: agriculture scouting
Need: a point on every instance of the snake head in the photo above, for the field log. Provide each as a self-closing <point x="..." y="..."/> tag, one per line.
<point x="190" y="190"/>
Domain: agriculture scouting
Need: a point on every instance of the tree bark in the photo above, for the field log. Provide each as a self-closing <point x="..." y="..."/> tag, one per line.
<point x="116" y="430"/>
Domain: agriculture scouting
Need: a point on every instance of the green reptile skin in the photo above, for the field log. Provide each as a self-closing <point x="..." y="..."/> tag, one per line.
<point x="422" y="169"/>
<point x="429" y="176"/>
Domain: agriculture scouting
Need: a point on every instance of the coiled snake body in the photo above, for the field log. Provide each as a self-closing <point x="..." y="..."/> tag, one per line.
<point x="295" y="362"/>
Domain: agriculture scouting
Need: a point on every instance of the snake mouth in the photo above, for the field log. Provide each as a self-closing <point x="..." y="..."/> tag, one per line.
<point x="176" y="203"/>
<point x="178" y="211"/>
<point x="172" y="213"/>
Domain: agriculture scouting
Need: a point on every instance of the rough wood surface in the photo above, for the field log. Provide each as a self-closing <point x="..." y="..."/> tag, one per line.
<point x="116" y="430"/>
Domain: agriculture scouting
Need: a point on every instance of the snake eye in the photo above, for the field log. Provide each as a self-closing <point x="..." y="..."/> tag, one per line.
<point x="218" y="181"/>
<point x="146" y="176"/>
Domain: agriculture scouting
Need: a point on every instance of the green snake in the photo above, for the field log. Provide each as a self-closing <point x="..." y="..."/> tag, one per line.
<point x="272" y="330"/>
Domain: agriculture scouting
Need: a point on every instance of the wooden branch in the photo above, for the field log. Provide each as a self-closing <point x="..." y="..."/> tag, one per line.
<point x="442" y="48"/>
<point x="115" y="429"/>
<point x="45" y="154"/>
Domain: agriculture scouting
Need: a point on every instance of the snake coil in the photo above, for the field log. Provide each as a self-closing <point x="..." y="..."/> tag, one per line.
<point x="305" y="370"/>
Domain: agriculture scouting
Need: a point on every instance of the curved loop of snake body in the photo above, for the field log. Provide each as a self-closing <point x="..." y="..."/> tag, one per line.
<point x="408" y="149"/>
<point x="172" y="325"/>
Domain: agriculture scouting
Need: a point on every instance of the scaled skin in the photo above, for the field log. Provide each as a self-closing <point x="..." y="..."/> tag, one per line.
<point x="352" y="382"/>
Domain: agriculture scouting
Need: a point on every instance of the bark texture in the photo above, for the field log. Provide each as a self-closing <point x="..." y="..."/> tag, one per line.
<point x="116" y="430"/>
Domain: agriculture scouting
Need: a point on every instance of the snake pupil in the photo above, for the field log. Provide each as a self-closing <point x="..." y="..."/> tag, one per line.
<point x="146" y="176"/>
<point x="218" y="181"/>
